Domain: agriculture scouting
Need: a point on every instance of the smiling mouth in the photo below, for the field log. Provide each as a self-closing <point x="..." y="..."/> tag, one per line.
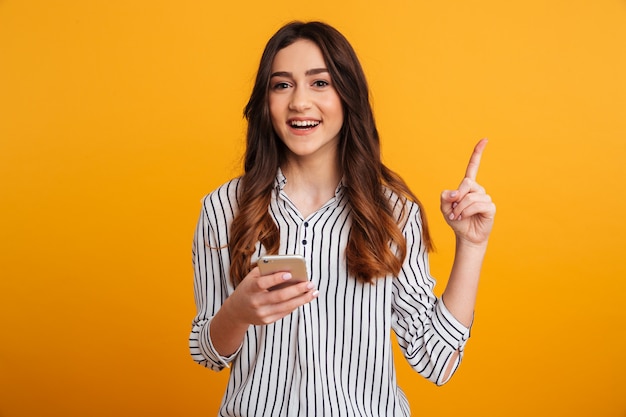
<point x="304" y="124"/>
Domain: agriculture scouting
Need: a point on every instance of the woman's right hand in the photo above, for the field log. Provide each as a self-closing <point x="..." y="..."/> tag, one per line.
<point x="253" y="302"/>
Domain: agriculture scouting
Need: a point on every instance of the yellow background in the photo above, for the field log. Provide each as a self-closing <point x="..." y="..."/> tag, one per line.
<point x="116" y="117"/>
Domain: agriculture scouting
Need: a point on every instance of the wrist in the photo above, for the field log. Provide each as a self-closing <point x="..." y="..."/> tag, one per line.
<point x="226" y="331"/>
<point x="463" y="243"/>
<point x="229" y="315"/>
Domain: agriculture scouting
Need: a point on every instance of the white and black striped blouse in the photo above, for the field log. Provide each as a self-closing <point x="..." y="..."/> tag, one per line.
<point x="333" y="356"/>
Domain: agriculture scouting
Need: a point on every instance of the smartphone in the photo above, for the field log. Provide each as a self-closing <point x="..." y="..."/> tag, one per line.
<point x="295" y="264"/>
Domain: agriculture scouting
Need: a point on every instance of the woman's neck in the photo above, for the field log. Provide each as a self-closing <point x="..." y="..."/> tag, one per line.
<point x="310" y="184"/>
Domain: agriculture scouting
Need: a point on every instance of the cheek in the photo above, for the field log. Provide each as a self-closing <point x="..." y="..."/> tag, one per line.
<point x="273" y="117"/>
<point x="337" y="110"/>
<point x="340" y="112"/>
<point x="275" y="108"/>
<point x="334" y="106"/>
<point x="276" y="117"/>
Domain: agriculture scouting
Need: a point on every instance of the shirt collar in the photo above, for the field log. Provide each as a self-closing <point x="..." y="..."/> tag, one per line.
<point x="281" y="181"/>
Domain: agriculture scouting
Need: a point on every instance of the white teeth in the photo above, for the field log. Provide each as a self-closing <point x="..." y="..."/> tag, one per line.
<point x="304" y="123"/>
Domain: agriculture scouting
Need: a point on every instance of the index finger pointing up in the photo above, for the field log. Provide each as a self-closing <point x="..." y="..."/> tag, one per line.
<point x="474" y="162"/>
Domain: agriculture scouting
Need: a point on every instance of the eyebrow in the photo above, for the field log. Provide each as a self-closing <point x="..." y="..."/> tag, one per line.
<point x="313" y="71"/>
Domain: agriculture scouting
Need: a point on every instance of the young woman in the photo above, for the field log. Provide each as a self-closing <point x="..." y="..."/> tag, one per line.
<point x="314" y="185"/>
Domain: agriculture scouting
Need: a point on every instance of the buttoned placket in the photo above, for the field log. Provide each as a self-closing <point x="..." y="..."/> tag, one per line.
<point x="304" y="238"/>
<point x="305" y="225"/>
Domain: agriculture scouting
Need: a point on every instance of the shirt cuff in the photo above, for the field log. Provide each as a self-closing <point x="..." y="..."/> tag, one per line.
<point x="209" y="351"/>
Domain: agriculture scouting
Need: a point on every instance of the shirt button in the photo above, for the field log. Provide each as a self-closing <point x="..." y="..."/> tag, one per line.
<point x="304" y="242"/>
<point x="306" y="224"/>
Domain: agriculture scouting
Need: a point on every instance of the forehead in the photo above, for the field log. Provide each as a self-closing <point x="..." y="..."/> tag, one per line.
<point x="300" y="56"/>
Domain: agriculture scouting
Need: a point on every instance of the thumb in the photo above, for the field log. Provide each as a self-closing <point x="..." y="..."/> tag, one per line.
<point x="449" y="196"/>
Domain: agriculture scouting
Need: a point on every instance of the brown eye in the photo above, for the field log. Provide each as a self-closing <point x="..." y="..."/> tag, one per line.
<point x="280" y="86"/>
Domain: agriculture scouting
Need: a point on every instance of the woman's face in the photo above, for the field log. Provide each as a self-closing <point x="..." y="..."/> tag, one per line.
<point x="305" y="108"/>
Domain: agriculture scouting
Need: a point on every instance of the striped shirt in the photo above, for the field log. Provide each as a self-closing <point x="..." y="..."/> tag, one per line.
<point x="332" y="356"/>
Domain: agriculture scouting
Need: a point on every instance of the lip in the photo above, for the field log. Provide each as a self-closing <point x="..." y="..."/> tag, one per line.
<point x="303" y="131"/>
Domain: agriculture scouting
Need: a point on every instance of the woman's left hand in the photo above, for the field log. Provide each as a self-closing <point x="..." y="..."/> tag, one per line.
<point x="469" y="209"/>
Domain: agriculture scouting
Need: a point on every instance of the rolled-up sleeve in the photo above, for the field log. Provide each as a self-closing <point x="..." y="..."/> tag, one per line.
<point x="211" y="281"/>
<point x="202" y="349"/>
<point x="427" y="332"/>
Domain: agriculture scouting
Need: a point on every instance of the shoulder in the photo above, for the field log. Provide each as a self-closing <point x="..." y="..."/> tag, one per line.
<point x="223" y="199"/>
<point x="227" y="190"/>
<point x="404" y="209"/>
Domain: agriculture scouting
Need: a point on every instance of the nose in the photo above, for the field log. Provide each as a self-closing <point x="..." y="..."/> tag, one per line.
<point x="300" y="100"/>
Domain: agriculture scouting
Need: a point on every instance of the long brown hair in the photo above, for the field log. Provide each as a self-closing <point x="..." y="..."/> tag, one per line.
<point x="375" y="227"/>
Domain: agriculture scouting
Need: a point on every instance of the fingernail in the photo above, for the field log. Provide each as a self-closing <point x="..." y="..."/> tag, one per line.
<point x="454" y="204"/>
<point x="453" y="194"/>
<point x="316" y="293"/>
<point x="287" y="276"/>
<point x="451" y="216"/>
<point x="310" y="285"/>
